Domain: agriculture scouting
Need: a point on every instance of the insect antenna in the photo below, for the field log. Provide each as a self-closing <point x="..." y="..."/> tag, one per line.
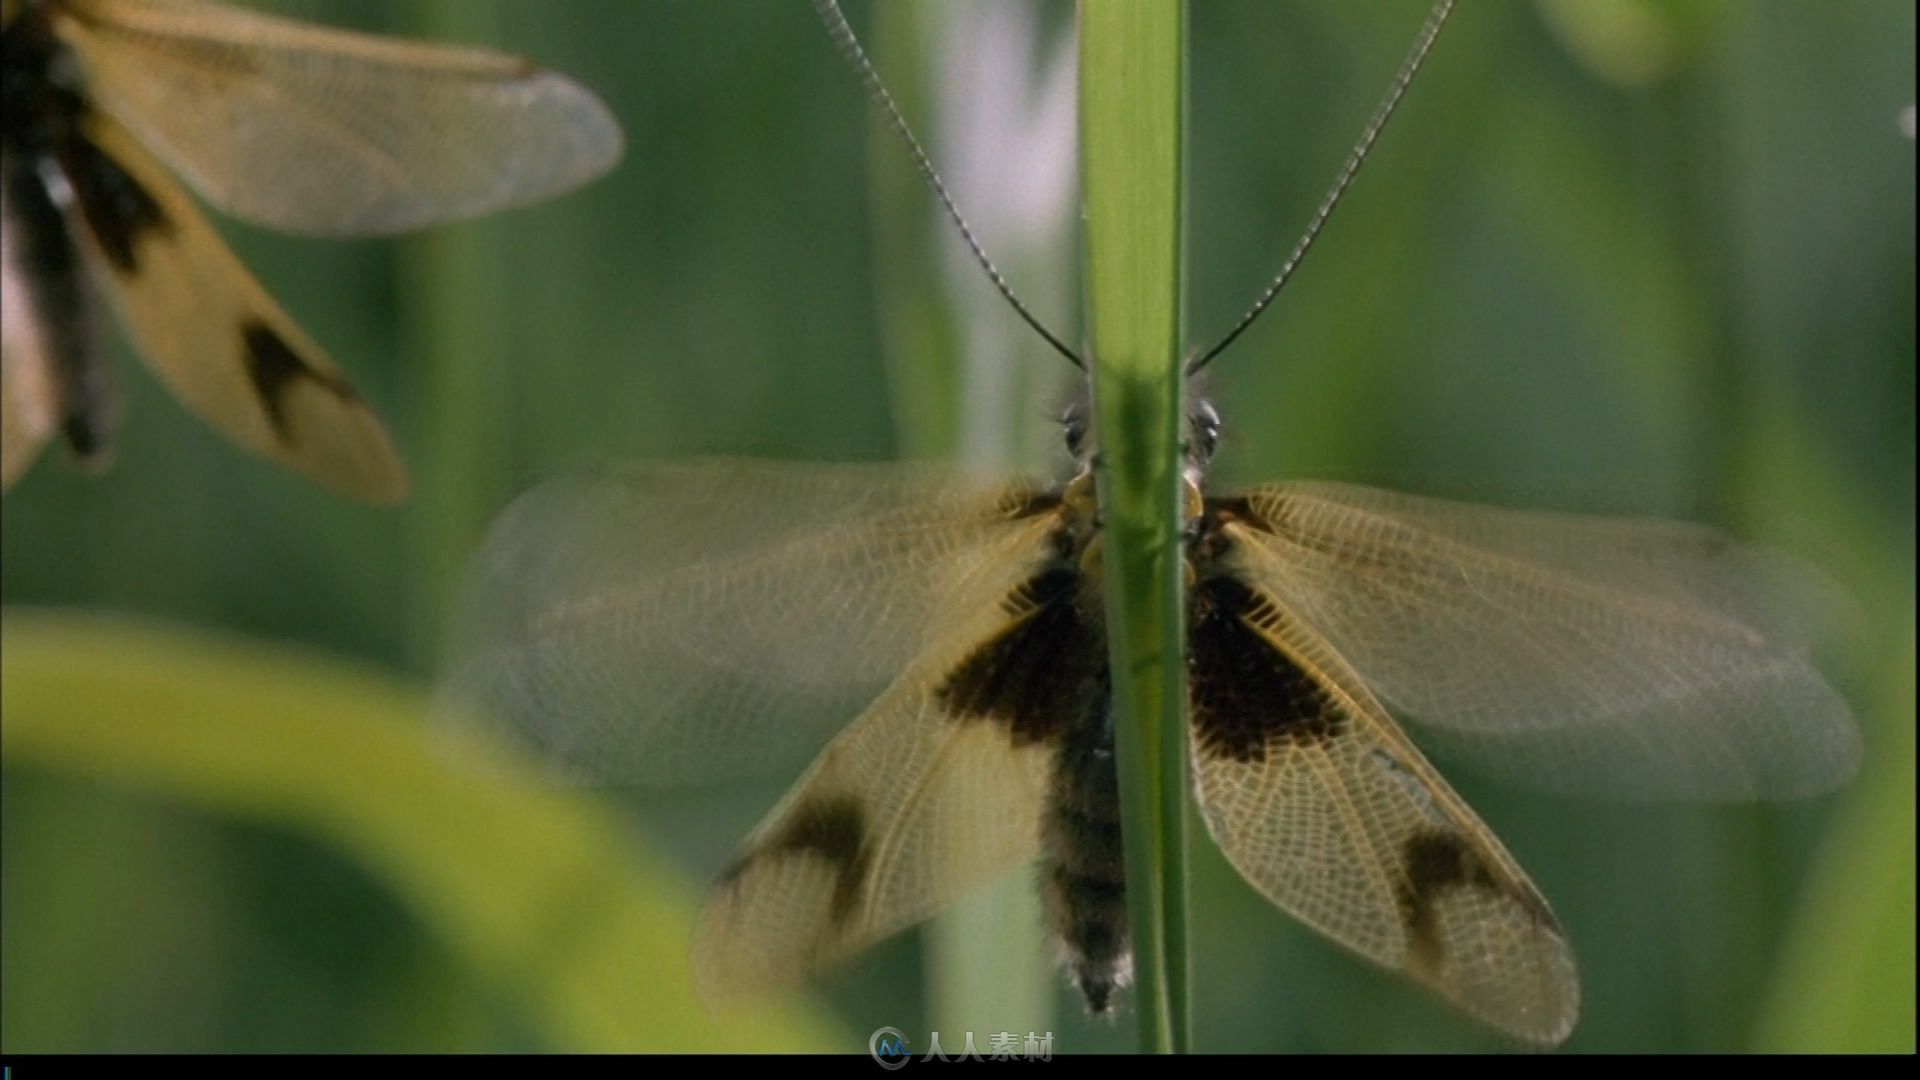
<point x="1409" y="67"/>
<point x="856" y="57"/>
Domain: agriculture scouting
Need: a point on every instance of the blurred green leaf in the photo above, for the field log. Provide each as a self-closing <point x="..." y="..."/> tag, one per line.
<point x="541" y="891"/>
<point x="1846" y="983"/>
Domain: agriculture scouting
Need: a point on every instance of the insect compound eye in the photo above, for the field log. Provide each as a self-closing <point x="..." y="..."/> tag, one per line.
<point x="1074" y="420"/>
<point x="1205" y="422"/>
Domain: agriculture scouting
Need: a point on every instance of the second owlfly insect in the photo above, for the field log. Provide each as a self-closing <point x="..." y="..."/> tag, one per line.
<point x="294" y="127"/>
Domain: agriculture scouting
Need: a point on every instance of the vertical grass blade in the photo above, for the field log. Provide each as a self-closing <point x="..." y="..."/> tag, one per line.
<point x="1133" y="75"/>
<point x="456" y="309"/>
<point x="916" y="325"/>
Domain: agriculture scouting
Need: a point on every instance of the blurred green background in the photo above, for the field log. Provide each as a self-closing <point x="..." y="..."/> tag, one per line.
<point x="1627" y="256"/>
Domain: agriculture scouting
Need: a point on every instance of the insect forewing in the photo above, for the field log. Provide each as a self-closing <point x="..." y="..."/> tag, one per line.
<point x="316" y="130"/>
<point x="669" y="623"/>
<point x="1603" y="656"/>
<point x="1319" y="800"/>
<point x="218" y="341"/>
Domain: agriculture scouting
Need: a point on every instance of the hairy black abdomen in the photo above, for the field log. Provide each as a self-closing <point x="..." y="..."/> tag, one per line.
<point x="1084" y="873"/>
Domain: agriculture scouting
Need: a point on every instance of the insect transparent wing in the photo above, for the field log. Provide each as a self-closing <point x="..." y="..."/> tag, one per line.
<point x="1602" y="656"/>
<point x="906" y="810"/>
<point x="218" y="341"/>
<point x="1323" y="805"/>
<point x="667" y="623"/>
<point x="316" y="130"/>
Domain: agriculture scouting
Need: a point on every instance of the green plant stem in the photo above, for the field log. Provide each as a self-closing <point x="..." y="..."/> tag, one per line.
<point x="1132" y="86"/>
<point x="455" y="312"/>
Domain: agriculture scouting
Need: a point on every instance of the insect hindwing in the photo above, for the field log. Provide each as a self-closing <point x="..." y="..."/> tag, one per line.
<point x="205" y="326"/>
<point x="1609" y="656"/>
<point x="991" y="749"/>
<point x="1322" y="804"/>
<point x="909" y="808"/>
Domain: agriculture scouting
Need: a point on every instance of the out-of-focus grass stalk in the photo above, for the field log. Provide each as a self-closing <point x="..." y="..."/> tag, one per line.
<point x="1844" y="981"/>
<point x="916" y="325"/>
<point x="1132" y="85"/>
<point x="985" y="955"/>
<point x="456" y="304"/>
